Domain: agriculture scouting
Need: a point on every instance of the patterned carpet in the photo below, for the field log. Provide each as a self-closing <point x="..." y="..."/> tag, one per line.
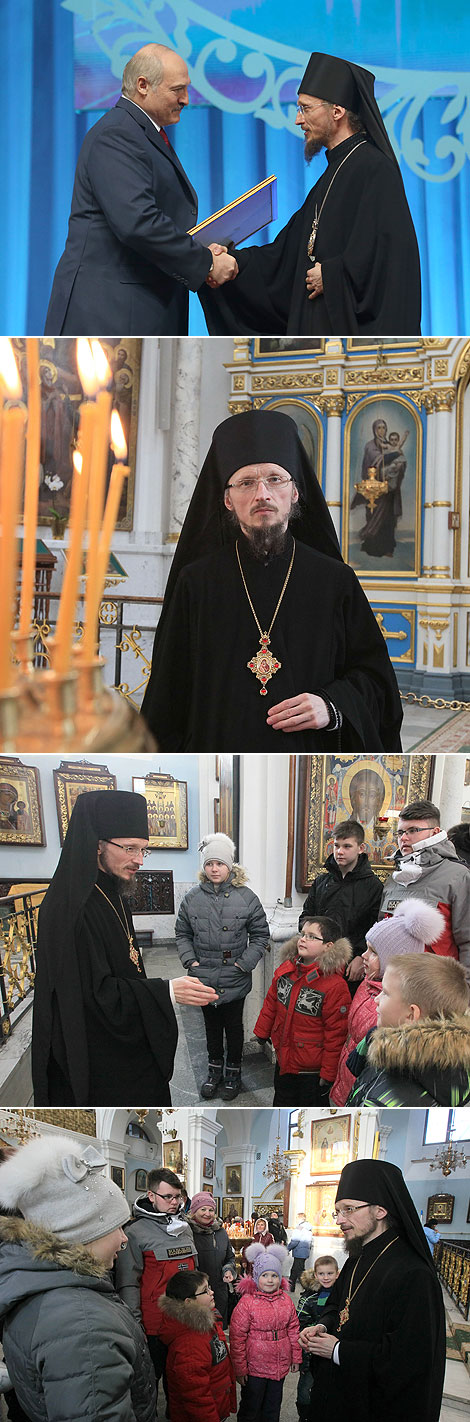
<point x="452" y="735"/>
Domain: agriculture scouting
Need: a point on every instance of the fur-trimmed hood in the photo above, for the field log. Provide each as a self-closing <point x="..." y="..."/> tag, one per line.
<point x="34" y="1261"/>
<point x="237" y="878"/>
<point x="334" y="961"/>
<point x="188" y="1312"/>
<point x="432" y="1044"/>
<point x="50" y="1248"/>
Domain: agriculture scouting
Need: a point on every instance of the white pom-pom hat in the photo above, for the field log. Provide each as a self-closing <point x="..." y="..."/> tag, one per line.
<point x="414" y="926"/>
<point x="218" y="846"/>
<point x="60" y="1186"/>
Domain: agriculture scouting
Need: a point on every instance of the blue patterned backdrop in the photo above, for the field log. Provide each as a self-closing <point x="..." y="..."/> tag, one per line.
<point x="62" y="65"/>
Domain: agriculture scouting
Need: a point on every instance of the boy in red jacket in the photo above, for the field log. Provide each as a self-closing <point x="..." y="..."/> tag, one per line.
<point x="200" y="1377"/>
<point x="305" y="1013"/>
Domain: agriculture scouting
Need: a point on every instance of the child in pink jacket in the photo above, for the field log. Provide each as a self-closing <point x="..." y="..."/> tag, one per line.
<point x="264" y="1334"/>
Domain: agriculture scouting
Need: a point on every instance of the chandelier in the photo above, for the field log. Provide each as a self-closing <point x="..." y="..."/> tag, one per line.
<point x="276" y="1167"/>
<point x="448" y="1159"/>
<point x="19" y="1125"/>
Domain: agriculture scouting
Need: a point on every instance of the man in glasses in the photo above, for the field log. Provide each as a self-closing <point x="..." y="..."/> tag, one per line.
<point x="160" y="1244"/>
<point x="427" y="868"/>
<point x="380" y="1349"/>
<point x="266" y="640"/>
<point x="347" y="263"/>
<point x="103" y="1033"/>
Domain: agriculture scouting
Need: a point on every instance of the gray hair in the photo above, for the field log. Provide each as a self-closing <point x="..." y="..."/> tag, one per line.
<point x="148" y="63"/>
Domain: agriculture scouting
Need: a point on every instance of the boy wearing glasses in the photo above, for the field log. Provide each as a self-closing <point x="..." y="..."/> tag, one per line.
<point x="160" y="1244"/>
<point x="305" y="1014"/>
<point x="427" y="868"/>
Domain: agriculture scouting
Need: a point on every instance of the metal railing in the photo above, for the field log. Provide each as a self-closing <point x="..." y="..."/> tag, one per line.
<point x="452" y="1262"/>
<point x="18" y="937"/>
<point x="125" y="637"/>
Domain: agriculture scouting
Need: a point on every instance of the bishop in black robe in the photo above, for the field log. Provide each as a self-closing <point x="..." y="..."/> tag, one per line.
<point x="366" y="243"/>
<point x="392" y="1347"/>
<point x="202" y="694"/>
<point x="103" y="1034"/>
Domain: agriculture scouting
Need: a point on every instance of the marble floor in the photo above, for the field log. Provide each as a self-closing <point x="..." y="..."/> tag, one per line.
<point x="162" y="961"/>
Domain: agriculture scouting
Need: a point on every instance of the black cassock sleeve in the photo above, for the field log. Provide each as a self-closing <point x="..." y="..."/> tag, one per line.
<point x="367" y="692"/>
<point x="367" y="248"/>
<point x="258" y="301"/>
<point x="130" y="1020"/>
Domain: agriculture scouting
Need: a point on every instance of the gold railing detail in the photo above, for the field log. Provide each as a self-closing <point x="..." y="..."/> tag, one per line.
<point x="18" y="934"/>
<point x="453" y="1266"/>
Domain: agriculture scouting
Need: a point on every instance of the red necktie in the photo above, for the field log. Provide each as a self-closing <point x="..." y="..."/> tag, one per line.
<point x="165" y="137"/>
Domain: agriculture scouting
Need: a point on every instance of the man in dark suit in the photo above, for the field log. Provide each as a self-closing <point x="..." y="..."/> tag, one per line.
<point x="128" y="261"/>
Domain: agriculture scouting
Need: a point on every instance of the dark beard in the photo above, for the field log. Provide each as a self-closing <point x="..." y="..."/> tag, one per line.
<point x="265" y="543"/>
<point x="122" y="886"/>
<point x="313" y="146"/>
<point x="354" y="1247"/>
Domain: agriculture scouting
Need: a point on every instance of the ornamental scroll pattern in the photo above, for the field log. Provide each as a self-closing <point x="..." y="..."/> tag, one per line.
<point x="267" y="74"/>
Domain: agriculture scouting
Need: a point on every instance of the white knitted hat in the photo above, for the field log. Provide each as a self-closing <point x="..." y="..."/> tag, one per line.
<point x="57" y="1184"/>
<point x="413" y="926"/>
<point x="218" y="846"/>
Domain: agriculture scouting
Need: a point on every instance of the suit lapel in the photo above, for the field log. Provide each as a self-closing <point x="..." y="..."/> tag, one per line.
<point x="155" y="137"/>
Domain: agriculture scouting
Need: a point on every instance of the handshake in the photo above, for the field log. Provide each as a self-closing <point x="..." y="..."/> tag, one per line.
<point x="225" y="268"/>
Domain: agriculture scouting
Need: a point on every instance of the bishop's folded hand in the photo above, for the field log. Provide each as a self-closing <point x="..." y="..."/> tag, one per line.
<point x="305" y="712"/>
<point x="314" y="281"/>
<point x="307" y="1335"/>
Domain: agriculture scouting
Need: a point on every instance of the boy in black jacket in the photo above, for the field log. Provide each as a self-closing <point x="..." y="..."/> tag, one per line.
<point x="349" y="892"/>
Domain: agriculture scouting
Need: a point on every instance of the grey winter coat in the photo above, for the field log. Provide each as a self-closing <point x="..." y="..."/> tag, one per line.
<point x="72" y="1348"/>
<point x="215" y="1257"/>
<point x="445" y="883"/>
<point x="224" y="930"/>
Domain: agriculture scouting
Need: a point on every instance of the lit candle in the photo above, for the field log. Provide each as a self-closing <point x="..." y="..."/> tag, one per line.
<point x="119" y="473"/>
<point x="99" y="465"/>
<point x="33" y="445"/>
<point x="11" y="470"/>
<point x="68" y="597"/>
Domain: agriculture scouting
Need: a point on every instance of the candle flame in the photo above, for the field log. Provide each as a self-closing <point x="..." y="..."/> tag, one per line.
<point x="9" y="376"/>
<point x="86" y="366"/>
<point x="77" y="461"/>
<point x="103" y="370"/>
<point x="118" y="442"/>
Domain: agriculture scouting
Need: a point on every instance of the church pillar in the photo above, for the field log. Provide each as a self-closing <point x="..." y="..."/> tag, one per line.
<point x="442" y="541"/>
<point x="333" y="406"/>
<point x="203" y="1130"/>
<point x="185" y="447"/>
<point x="435" y="624"/>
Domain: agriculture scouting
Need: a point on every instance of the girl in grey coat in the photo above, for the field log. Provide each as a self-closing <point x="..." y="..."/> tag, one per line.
<point x="221" y="933"/>
<point x="73" y="1350"/>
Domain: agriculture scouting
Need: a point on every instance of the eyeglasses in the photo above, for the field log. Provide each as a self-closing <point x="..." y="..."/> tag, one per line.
<point x="271" y="481"/>
<point x="310" y="937"/>
<point x="168" y="1197"/>
<point x="347" y="1210"/>
<point x="129" y="848"/>
<point x="413" y="830"/>
<point x="308" y="108"/>
<point x="207" y="1290"/>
